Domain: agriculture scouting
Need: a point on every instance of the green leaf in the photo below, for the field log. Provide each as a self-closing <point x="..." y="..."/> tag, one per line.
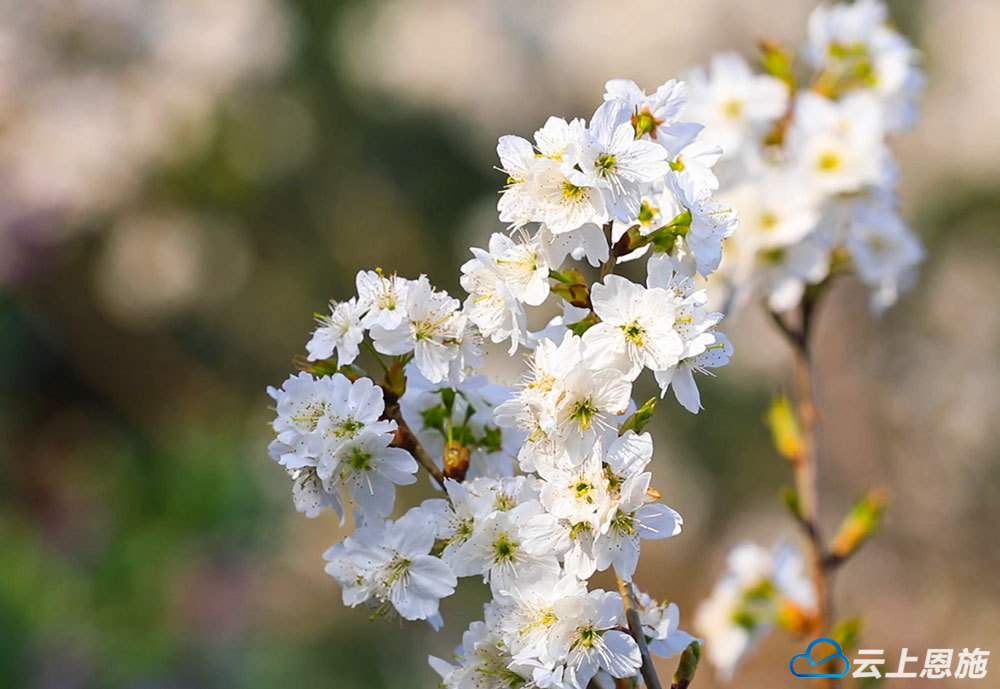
<point x="638" y="420"/>
<point x="860" y="524"/>
<point x="570" y="276"/>
<point x="846" y="632"/>
<point x="323" y="367"/>
<point x="576" y="294"/>
<point x="448" y="398"/>
<point x="435" y="417"/>
<point x="581" y="326"/>
<point x="492" y="439"/>
<point x="462" y="435"/>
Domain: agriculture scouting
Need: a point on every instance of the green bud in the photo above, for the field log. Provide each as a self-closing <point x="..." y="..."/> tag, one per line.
<point x="642" y="416"/>
<point x="846" y="632"/>
<point x="860" y="524"/>
<point x="786" y="430"/>
<point x="687" y="666"/>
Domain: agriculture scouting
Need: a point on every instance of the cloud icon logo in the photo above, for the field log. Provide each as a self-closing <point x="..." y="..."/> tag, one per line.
<point x="817" y="665"/>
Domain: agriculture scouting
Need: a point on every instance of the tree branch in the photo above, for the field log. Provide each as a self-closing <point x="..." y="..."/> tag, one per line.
<point x="635" y="628"/>
<point x="806" y="468"/>
<point x="407" y="439"/>
<point x="608" y="266"/>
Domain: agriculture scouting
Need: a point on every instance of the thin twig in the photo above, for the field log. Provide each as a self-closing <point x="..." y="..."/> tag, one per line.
<point x="793" y="336"/>
<point x="807" y="483"/>
<point x="407" y="440"/>
<point x="635" y="628"/>
<point x="808" y="464"/>
<point x="609" y="266"/>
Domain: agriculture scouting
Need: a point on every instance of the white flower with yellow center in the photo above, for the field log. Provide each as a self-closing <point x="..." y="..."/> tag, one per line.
<point x="388" y="565"/>
<point x="635" y="517"/>
<point x="340" y="332"/>
<point x="432" y="330"/>
<point x="370" y="470"/>
<point x="527" y="614"/>
<point x="732" y="102"/>
<point x="588" y="403"/>
<point x="636" y="328"/>
<point x="383" y="298"/>
<point x="587" y="635"/>
<point x="839" y="147"/>
<point x="610" y="157"/>
<point x="498" y="551"/>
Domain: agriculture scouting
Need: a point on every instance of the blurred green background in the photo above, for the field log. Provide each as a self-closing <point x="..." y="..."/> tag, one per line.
<point x="184" y="182"/>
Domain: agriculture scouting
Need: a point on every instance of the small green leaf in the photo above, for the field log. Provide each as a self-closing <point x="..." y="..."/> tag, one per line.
<point x="492" y="439"/>
<point x="323" y="367"/>
<point x="638" y="420"/>
<point x="860" y="524"/>
<point x="435" y="417"/>
<point x="846" y="632"/>
<point x="448" y="398"/>
<point x="463" y="436"/>
<point x="576" y="294"/>
<point x="570" y="276"/>
<point x="778" y="62"/>
<point x="581" y="326"/>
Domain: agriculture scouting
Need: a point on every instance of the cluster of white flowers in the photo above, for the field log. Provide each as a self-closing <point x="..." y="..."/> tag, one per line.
<point x="546" y="483"/>
<point x="805" y="157"/>
<point x="760" y="588"/>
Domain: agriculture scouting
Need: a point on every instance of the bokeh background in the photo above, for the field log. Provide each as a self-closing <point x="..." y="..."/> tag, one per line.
<point x="184" y="182"/>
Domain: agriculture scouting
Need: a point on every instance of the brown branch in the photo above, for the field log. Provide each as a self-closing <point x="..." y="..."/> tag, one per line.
<point x="609" y="266"/>
<point x="807" y="483"/>
<point x="807" y="466"/>
<point x="635" y="628"/>
<point x="407" y="440"/>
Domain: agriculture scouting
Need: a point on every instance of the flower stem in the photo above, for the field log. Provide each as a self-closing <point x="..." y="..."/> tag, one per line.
<point x="378" y="357"/>
<point x="635" y="628"/>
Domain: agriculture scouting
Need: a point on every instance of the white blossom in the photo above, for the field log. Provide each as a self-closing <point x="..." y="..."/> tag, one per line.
<point x="388" y="565"/>
<point x="432" y="330"/>
<point x="370" y="469"/>
<point x="745" y="602"/>
<point x="383" y="298"/>
<point x="499" y="552"/>
<point x="340" y="331"/>
<point x="587" y="637"/>
<point x="636" y="516"/>
<point x="636" y="328"/>
<point x="732" y="102"/>
<point x="612" y="159"/>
